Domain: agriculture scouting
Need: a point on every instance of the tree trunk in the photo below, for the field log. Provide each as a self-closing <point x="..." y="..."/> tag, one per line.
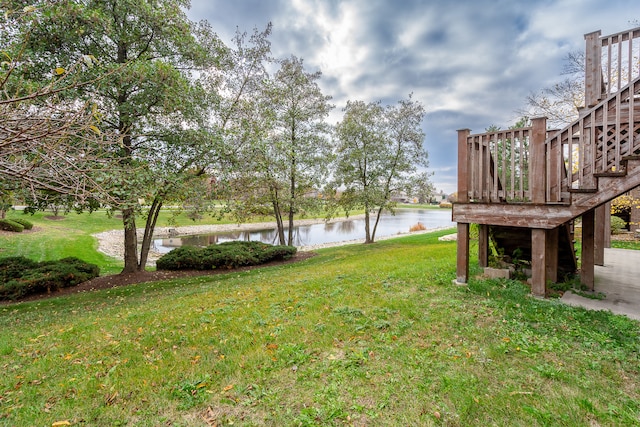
<point x="278" y="215"/>
<point x="291" y="210"/>
<point x="375" y="226"/>
<point x="292" y="184"/>
<point x="367" y="230"/>
<point x="130" y="241"/>
<point x="149" y="228"/>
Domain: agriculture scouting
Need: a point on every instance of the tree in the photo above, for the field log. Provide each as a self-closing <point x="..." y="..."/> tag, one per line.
<point x="379" y="149"/>
<point x="560" y="102"/>
<point x="150" y="99"/>
<point x="286" y="156"/>
<point x="47" y="142"/>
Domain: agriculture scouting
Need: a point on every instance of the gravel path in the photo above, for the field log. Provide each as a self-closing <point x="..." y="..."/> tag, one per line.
<point x="111" y="242"/>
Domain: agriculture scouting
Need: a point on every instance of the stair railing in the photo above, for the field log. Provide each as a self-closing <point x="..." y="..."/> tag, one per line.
<point x="596" y="143"/>
<point x="611" y="63"/>
<point x="500" y="166"/>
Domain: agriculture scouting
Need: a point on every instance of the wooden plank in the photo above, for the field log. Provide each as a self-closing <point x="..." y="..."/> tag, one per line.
<point x="513" y="215"/>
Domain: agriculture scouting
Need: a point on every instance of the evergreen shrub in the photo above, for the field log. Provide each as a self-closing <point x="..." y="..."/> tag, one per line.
<point x="28" y="225"/>
<point x="21" y="277"/>
<point x="11" y="225"/>
<point x="224" y="255"/>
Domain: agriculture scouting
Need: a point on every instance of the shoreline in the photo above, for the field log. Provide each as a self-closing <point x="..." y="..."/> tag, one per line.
<point x="111" y="243"/>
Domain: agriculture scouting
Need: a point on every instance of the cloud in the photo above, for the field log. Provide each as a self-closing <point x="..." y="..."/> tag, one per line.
<point x="472" y="63"/>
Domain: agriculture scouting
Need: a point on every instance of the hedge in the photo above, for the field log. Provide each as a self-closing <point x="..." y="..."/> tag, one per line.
<point x="11" y="225"/>
<point x="20" y="276"/>
<point x="224" y="255"/>
<point x="28" y="225"/>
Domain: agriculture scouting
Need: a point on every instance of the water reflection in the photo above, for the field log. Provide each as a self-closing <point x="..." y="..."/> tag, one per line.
<point x="320" y="233"/>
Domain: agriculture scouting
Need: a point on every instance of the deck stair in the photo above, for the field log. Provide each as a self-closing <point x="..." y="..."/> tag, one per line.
<point x="525" y="187"/>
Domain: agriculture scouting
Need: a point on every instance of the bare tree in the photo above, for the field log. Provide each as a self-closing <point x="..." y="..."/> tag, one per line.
<point x="47" y="142"/>
<point x="561" y="101"/>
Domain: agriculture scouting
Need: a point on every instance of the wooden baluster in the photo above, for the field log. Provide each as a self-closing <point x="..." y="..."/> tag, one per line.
<point x="593" y="68"/>
<point x="538" y="173"/>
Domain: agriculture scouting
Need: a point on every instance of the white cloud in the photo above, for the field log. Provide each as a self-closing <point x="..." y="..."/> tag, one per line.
<point x="472" y="65"/>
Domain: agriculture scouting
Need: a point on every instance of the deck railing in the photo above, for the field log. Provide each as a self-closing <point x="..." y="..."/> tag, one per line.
<point x="599" y="141"/>
<point x="506" y="166"/>
<point x="516" y="165"/>
<point x="498" y="166"/>
<point x="611" y="63"/>
<point x="533" y="165"/>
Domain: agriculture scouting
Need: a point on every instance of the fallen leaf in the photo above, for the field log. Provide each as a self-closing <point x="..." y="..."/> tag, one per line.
<point x="61" y="423"/>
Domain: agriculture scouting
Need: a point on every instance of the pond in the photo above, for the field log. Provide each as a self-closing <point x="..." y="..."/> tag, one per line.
<point x="316" y="234"/>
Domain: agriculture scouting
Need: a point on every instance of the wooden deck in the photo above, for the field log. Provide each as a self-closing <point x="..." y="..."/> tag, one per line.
<point x="541" y="180"/>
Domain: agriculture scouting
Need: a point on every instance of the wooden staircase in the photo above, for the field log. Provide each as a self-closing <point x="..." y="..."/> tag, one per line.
<point x="526" y="186"/>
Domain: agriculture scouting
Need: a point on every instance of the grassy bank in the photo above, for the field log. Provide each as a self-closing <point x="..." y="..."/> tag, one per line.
<point x="358" y="335"/>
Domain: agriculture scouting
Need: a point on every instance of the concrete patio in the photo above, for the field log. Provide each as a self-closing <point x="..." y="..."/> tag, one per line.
<point x="619" y="280"/>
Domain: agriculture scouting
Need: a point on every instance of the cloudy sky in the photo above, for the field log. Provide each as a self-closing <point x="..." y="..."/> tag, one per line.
<point x="472" y="63"/>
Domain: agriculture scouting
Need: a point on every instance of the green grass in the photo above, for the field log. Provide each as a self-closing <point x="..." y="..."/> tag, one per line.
<point x="623" y="244"/>
<point x="358" y="335"/>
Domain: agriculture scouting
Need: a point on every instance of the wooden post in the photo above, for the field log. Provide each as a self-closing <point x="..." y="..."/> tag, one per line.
<point x="538" y="171"/>
<point x="607" y="224"/>
<point x="551" y="258"/>
<point x="593" y="69"/>
<point x="588" y="241"/>
<point x="599" y="235"/>
<point x="483" y="245"/>
<point x="538" y="262"/>
<point x="463" y="166"/>
<point x="462" y="261"/>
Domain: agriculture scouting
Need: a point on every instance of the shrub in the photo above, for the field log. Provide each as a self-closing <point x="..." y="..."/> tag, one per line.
<point x="224" y="255"/>
<point x="27" y="277"/>
<point x="182" y="258"/>
<point x="13" y="267"/>
<point x="617" y="224"/>
<point x="11" y="225"/>
<point x="28" y="225"/>
<point x="417" y="227"/>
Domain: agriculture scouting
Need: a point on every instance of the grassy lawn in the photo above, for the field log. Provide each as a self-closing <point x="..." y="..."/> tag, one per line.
<point x="359" y="335"/>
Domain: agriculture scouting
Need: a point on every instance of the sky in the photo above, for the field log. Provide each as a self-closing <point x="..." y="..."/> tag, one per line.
<point x="471" y="63"/>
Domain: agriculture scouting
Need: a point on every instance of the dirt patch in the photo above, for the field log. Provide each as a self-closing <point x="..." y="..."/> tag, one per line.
<point x="116" y="280"/>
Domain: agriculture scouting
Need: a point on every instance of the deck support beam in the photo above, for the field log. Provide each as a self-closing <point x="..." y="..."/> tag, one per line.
<point x="483" y="245"/>
<point x="538" y="262"/>
<point x="462" y="263"/>
<point x="599" y="234"/>
<point x="588" y="252"/>
<point x="551" y="258"/>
